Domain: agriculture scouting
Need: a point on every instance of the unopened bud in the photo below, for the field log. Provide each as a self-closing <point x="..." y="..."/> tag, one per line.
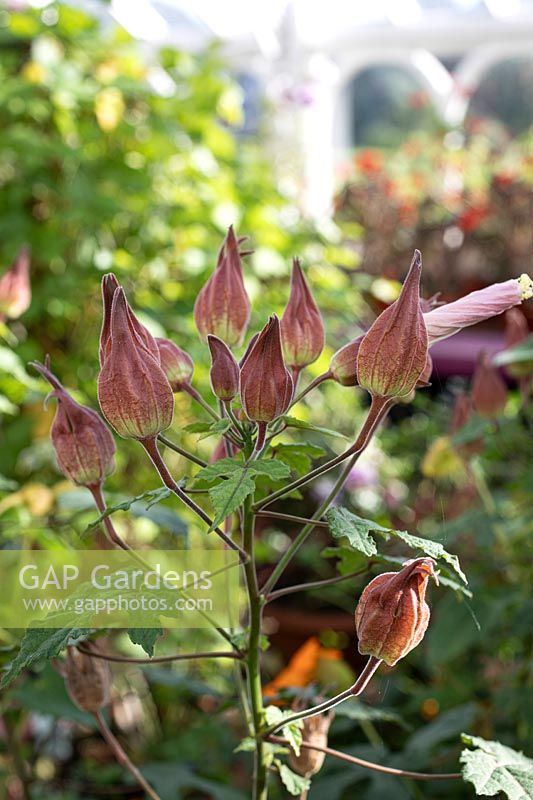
<point x="222" y="307"/>
<point x="315" y="731"/>
<point x="224" y="372"/>
<point x="343" y="364"/>
<point x="15" y="288"/>
<point x="489" y="391"/>
<point x="134" y="393"/>
<point x="177" y="365"/>
<point x="109" y="287"/>
<point x="516" y="331"/>
<point x="393" y="353"/>
<point x="392" y="614"/>
<point x="302" y="329"/>
<point x="84" y="446"/>
<point x="266" y="384"/>
<point x="88" y="679"/>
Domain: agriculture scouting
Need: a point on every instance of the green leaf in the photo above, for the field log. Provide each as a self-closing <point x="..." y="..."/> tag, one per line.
<point x="294" y="783"/>
<point x="523" y="351"/>
<point x="362" y="712"/>
<point x="40" y="644"/>
<point x="356" y="529"/>
<point x="246" y="745"/>
<point x="217" y="428"/>
<point x="292" y="732"/>
<point x="146" y="637"/>
<point x="474" y="429"/>
<point x="298" y="457"/>
<point x="226" y="467"/>
<point x="276" y="470"/>
<point x="228" y="496"/>
<point x="292" y="422"/>
<point x="222" y="468"/>
<point x="430" y="548"/>
<point x="349" y="560"/>
<point x="492" y="768"/>
<point x="152" y="495"/>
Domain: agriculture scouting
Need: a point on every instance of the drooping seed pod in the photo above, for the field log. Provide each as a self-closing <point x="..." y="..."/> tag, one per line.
<point x="489" y="391"/>
<point x="87" y="679"/>
<point x="315" y="731"/>
<point x="393" y="353"/>
<point x="476" y="307"/>
<point x="343" y="364"/>
<point x="222" y="307"/>
<point x="224" y="372"/>
<point x="302" y="329"/>
<point x="392" y="614"/>
<point x="266" y="384"/>
<point x="15" y="287"/>
<point x="134" y="393"/>
<point x="177" y="365"/>
<point x="84" y="446"/>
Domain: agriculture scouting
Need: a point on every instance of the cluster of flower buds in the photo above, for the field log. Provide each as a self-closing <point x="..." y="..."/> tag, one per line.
<point x="87" y="678"/>
<point x="134" y="392"/>
<point x="392" y="615"/>
<point x="15" y="288"/>
<point x="84" y="446"/>
<point x="302" y="329"/>
<point x="393" y="354"/>
<point x="222" y="307"/>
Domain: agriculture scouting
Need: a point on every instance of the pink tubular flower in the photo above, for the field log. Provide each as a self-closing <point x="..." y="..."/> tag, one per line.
<point x="302" y="329"/>
<point x="83" y="444"/>
<point x="15" y="289"/>
<point x="222" y="306"/>
<point x="476" y="307"/>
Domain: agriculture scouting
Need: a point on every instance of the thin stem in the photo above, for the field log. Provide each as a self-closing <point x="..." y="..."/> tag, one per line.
<point x="161" y="659"/>
<point x="200" y="400"/>
<point x="254" y="648"/>
<point x="233" y="418"/>
<point x="122" y="757"/>
<point x="111" y="532"/>
<point x="260" y="441"/>
<point x="376" y="412"/>
<point x="181" y="451"/>
<point x="326" y="376"/>
<point x="308" y="528"/>
<point x="358" y="688"/>
<point x="150" y="445"/>
<point x="359" y="762"/>
<point x="292" y="518"/>
<point x="302" y="587"/>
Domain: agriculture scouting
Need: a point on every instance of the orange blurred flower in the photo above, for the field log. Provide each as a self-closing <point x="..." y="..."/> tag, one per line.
<point x="302" y="667"/>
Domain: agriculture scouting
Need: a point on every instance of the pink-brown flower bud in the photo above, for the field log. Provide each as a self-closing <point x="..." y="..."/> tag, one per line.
<point x="224" y="372"/>
<point x="302" y="329"/>
<point x="476" y="307"/>
<point x="315" y="731"/>
<point x="516" y="330"/>
<point x="343" y="364"/>
<point x="222" y="306"/>
<point x="109" y="287"/>
<point x="87" y="679"/>
<point x="462" y="412"/>
<point x="177" y="365"/>
<point x="84" y="446"/>
<point x="134" y="393"/>
<point x="489" y="391"/>
<point x="392" y="614"/>
<point x="266" y="384"/>
<point x="15" y="288"/>
<point x="393" y="353"/>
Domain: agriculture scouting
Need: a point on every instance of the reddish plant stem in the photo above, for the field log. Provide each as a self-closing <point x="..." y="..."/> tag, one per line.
<point x="122" y="757"/>
<point x="376" y="412"/>
<point x="292" y="518"/>
<point x="302" y="587"/>
<point x="162" y="659"/>
<point x="150" y="445"/>
<point x="358" y="688"/>
<point x="359" y="762"/>
<point x="326" y="376"/>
